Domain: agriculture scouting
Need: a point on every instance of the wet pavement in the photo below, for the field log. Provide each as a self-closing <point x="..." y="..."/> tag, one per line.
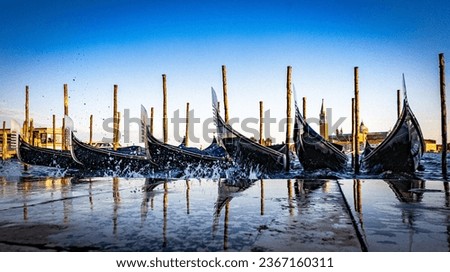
<point x="139" y="214"/>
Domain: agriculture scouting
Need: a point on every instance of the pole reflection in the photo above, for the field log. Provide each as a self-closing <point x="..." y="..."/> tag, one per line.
<point x="148" y="195"/>
<point x="290" y="205"/>
<point x="227" y="189"/>
<point x="116" y="198"/>
<point x="262" y="197"/>
<point x="165" y="205"/>
<point x="188" y="188"/>
<point x="66" y="192"/>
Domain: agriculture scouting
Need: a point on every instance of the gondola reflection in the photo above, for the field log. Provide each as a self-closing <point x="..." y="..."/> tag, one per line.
<point x="148" y="190"/>
<point x="227" y="190"/>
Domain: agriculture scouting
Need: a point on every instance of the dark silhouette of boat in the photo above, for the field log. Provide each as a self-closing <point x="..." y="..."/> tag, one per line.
<point x="93" y="158"/>
<point x="245" y="153"/>
<point x="34" y="155"/>
<point x="313" y="151"/>
<point x="168" y="156"/>
<point x="402" y="149"/>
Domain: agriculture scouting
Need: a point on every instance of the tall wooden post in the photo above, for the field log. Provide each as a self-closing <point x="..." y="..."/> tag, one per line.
<point x="304" y="107"/>
<point x="151" y="120"/>
<point x="31" y="139"/>
<point x="54" y="131"/>
<point x="66" y="100"/>
<point x="356" y="120"/>
<point x="225" y="91"/>
<point x="353" y="133"/>
<point x="443" y="113"/>
<point x="118" y="130"/>
<point x="165" y="121"/>
<point x="63" y="134"/>
<point x="115" y="119"/>
<point x="288" y="116"/>
<point x="261" y="123"/>
<point x="186" y="139"/>
<point x="399" y="103"/>
<point x="26" y="129"/>
<point x="66" y="112"/>
<point x="4" y="142"/>
<point x="91" y="127"/>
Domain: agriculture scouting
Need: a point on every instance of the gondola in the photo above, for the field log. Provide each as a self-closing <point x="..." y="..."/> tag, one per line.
<point x="313" y="151"/>
<point x="168" y="156"/>
<point x="246" y="153"/>
<point x="93" y="158"/>
<point x="34" y="155"/>
<point x="402" y="149"/>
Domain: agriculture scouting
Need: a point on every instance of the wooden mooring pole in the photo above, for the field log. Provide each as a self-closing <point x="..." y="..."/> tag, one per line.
<point x="26" y="129"/>
<point x="443" y="114"/>
<point x="288" y="116"/>
<point x="225" y="92"/>
<point x="186" y="139"/>
<point x="261" y="123"/>
<point x="399" y="103"/>
<point x="165" y="121"/>
<point x="356" y="162"/>
<point x="91" y="127"/>
<point x="31" y="139"/>
<point x="66" y="112"/>
<point x="304" y="107"/>
<point x="4" y="142"/>
<point x="63" y="134"/>
<point x="115" y="119"/>
<point x="151" y="120"/>
<point x="118" y="129"/>
<point x="54" y="131"/>
<point x="353" y="133"/>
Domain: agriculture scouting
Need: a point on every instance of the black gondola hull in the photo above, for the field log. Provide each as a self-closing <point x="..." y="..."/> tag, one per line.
<point x="247" y="156"/>
<point x="34" y="155"/>
<point x="315" y="155"/>
<point x="401" y="154"/>
<point x="313" y="151"/>
<point x="98" y="159"/>
<point x="172" y="157"/>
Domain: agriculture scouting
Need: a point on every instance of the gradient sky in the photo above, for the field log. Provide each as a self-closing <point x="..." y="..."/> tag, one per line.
<point x="92" y="45"/>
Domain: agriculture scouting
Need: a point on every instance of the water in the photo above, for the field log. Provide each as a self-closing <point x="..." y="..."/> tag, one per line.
<point x="57" y="210"/>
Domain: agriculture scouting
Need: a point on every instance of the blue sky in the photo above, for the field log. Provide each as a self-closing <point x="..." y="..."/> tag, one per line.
<point x="92" y="45"/>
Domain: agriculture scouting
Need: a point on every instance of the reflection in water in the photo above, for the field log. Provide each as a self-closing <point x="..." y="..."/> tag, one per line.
<point x="226" y="191"/>
<point x="188" y="188"/>
<point x="291" y="206"/>
<point x="91" y="198"/>
<point x="116" y="197"/>
<point x="165" y="205"/>
<point x="262" y="197"/>
<point x="148" y="195"/>
<point x="66" y="199"/>
<point x="407" y="191"/>
<point x="357" y="202"/>
<point x="410" y="191"/>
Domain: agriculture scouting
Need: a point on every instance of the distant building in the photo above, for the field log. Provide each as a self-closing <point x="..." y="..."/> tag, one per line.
<point x="374" y="138"/>
<point x="43" y="137"/>
<point x="10" y="149"/>
<point x="323" y="122"/>
<point x="431" y="146"/>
